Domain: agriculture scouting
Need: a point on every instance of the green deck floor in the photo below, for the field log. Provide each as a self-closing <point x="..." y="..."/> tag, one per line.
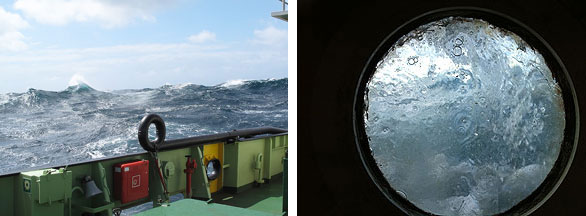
<point x="200" y="208"/>
<point x="266" y="198"/>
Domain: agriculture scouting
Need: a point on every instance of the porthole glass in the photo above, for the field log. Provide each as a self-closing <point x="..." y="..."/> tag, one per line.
<point x="213" y="169"/>
<point x="462" y="117"/>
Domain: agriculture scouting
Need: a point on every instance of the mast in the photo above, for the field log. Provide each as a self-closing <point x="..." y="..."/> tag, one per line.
<point x="282" y="15"/>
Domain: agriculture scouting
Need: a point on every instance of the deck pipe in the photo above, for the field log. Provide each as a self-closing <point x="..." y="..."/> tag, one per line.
<point x="160" y="144"/>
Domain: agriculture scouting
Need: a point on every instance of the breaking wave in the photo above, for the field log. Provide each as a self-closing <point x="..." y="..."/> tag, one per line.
<point x="45" y="128"/>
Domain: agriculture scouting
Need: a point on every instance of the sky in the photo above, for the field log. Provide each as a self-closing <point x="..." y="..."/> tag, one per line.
<point x="134" y="44"/>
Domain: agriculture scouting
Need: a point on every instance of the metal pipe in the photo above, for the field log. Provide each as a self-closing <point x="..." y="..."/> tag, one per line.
<point x="70" y="197"/>
<point x="161" y="177"/>
<point x="284" y="3"/>
<point x="160" y="144"/>
<point x="208" y="139"/>
<point x="190" y="166"/>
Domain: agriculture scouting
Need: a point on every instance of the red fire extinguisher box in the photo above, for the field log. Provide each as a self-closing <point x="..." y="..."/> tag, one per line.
<point x="131" y="180"/>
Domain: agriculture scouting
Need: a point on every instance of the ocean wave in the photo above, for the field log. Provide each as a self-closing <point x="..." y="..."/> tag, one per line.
<point x="233" y="83"/>
<point x="56" y="127"/>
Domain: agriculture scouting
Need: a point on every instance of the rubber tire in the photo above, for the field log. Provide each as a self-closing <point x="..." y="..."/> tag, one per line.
<point x="143" y="132"/>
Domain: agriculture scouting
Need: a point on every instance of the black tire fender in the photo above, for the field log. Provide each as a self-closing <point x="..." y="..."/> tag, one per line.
<point x="143" y="132"/>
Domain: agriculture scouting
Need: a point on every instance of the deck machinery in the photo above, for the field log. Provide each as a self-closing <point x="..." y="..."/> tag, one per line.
<point x="197" y="167"/>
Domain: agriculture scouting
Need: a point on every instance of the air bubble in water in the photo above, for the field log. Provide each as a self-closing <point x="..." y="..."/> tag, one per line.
<point x="458" y="42"/>
<point x="457" y="51"/>
<point x="412" y="60"/>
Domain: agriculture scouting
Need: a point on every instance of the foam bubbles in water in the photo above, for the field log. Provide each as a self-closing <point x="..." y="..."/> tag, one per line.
<point x="488" y="122"/>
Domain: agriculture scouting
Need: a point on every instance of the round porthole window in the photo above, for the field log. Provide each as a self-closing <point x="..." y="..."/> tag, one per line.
<point x="465" y="112"/>
<point x="213" y="169"/>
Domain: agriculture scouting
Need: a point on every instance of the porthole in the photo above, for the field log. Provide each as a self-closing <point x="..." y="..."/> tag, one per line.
<point x="213" y="169"/>
<point x="464" y="111"/>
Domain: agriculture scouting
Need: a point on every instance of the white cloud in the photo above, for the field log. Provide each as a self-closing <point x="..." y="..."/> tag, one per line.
<point x="10" y="37"/>
<point x="203" y="36"/>
<point x="271" y="36"/>
<point x="108" y="13"/>
<point x="10" y="22"/>
<point x="13" y="41"/>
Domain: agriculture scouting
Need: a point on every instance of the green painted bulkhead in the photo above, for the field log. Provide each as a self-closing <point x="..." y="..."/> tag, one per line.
<point x="241" y="157"/>
<point x="60" y="190"/>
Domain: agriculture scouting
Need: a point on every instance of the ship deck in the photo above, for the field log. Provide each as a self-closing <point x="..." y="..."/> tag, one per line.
<point x="264" y="200"/>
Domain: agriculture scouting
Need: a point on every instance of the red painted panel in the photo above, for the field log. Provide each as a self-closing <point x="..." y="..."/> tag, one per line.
<point x="131" y="181"/>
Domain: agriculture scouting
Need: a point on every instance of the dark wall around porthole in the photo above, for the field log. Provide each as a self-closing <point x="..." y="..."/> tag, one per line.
<point x="335" y="41"/>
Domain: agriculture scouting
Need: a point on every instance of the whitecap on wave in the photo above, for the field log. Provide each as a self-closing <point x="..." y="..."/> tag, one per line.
<point x="233" y="83"/>
<point x="59" y="127"/>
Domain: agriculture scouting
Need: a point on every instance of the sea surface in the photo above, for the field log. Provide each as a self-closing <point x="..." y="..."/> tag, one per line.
<point x="50" y="128"/>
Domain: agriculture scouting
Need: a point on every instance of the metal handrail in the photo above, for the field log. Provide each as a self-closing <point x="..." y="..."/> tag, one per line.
<point x="236" y="135"/>
<point x="220" y="137"/>
<point x="160" y="144"/>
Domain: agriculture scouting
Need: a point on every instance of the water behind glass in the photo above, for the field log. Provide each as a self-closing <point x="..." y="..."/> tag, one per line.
<point x="464" y="118"/>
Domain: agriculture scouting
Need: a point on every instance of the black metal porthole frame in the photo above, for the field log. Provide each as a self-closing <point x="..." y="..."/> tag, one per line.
<point x="559" y="72"/>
